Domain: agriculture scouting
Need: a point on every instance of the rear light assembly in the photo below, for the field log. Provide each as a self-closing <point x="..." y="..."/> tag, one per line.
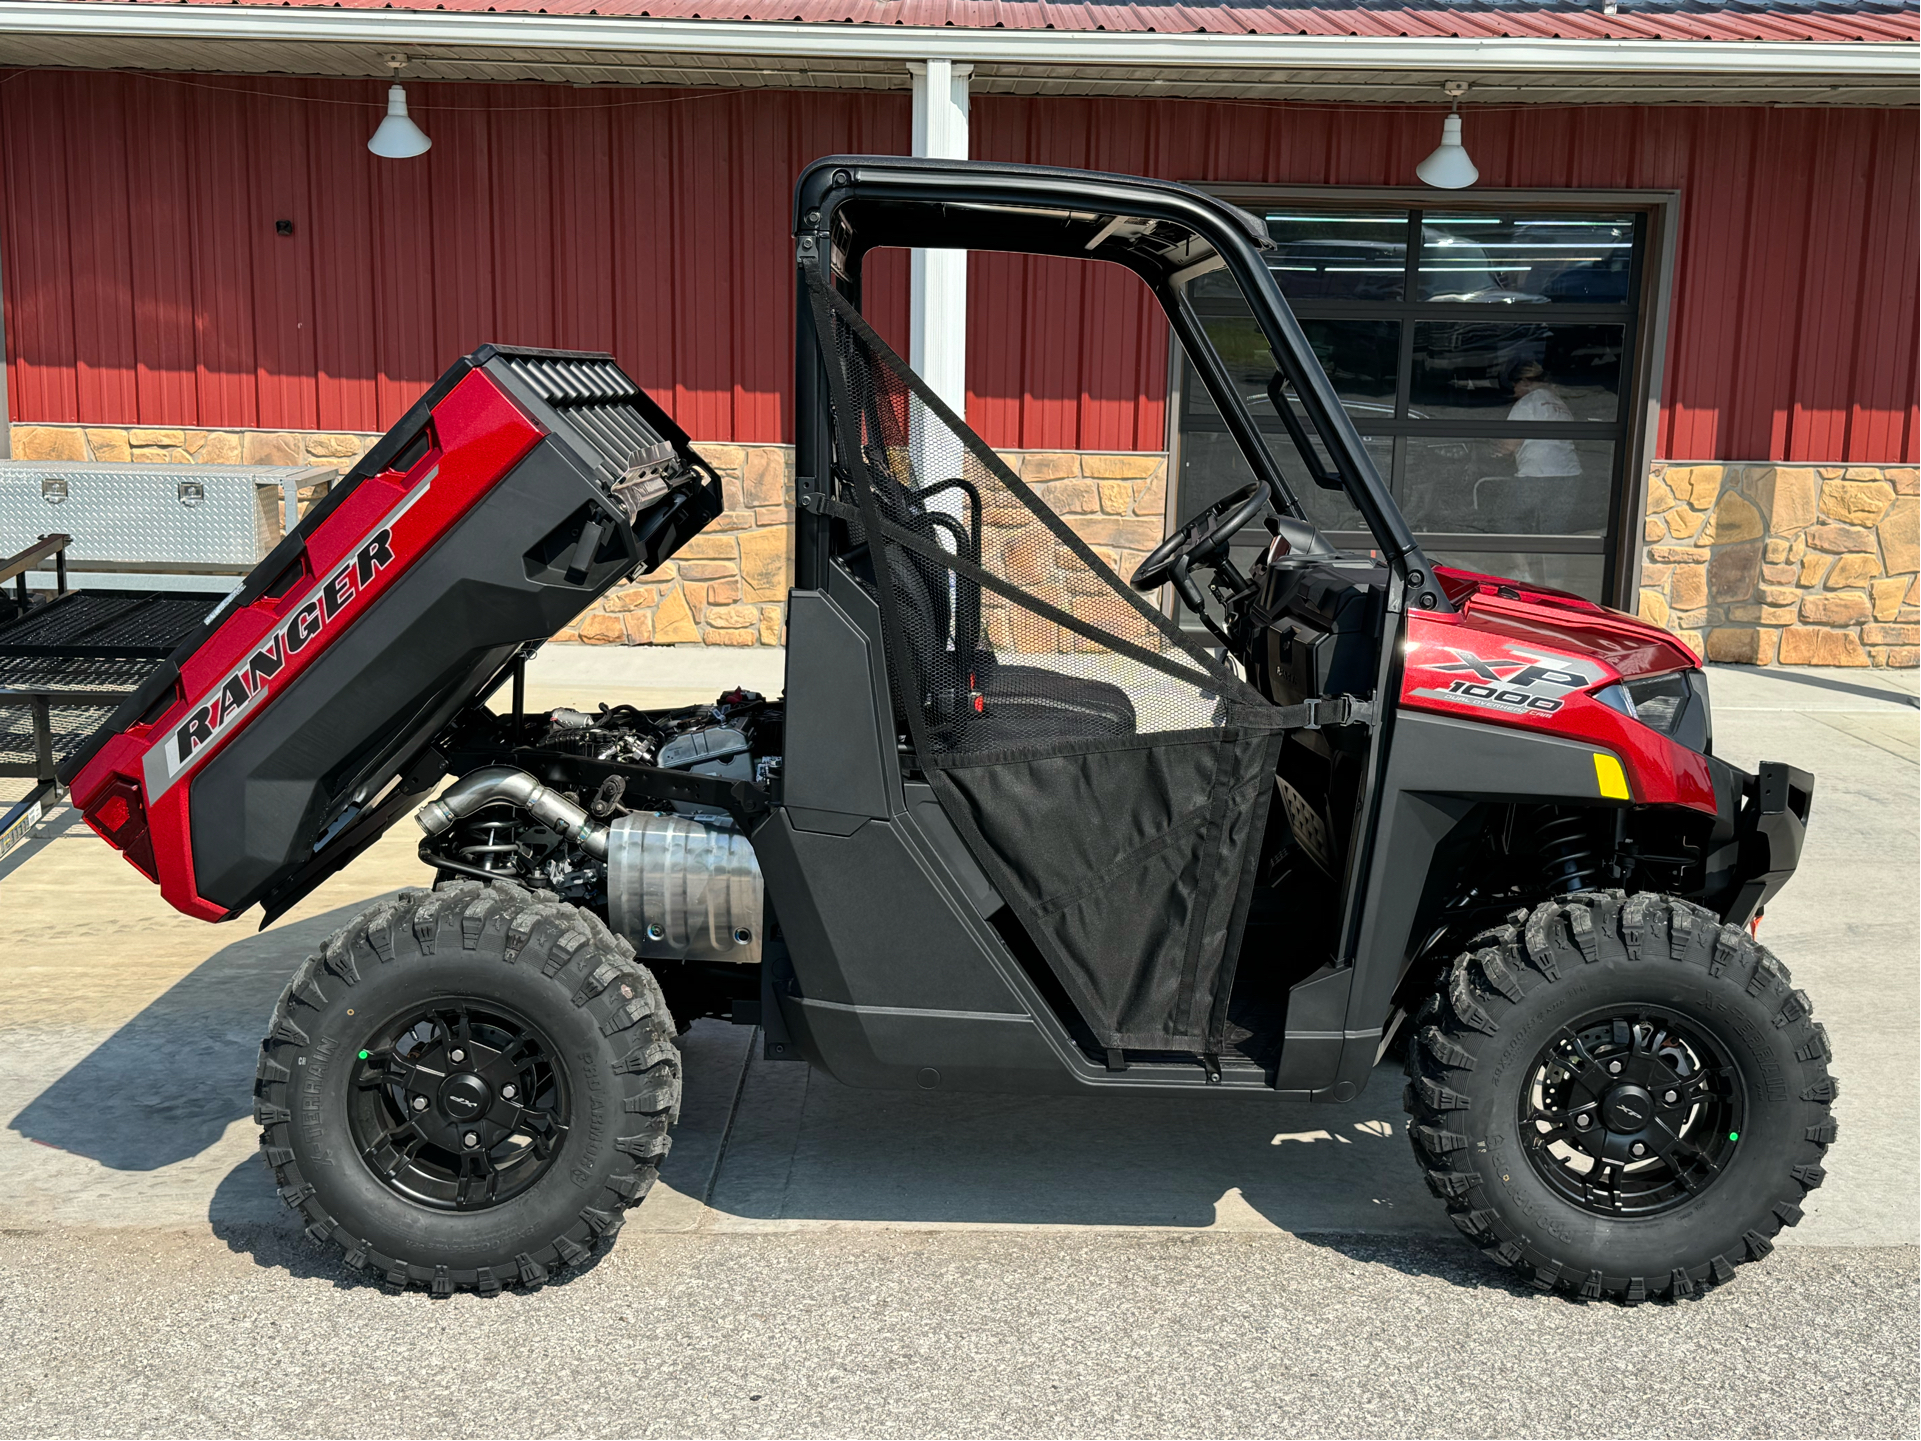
<point x="118" y="816"/>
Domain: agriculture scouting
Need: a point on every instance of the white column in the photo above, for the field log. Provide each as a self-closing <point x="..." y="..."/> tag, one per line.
<point x="937" y="330"/>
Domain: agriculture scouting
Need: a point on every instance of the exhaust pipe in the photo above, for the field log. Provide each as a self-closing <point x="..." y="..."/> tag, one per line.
<point x="503" y="783"/>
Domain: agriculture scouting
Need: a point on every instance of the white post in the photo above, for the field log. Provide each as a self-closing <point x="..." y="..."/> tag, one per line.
<point x="937" y="305"/>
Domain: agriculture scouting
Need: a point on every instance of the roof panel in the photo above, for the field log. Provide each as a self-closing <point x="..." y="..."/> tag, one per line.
<point x="1726" y="20"/>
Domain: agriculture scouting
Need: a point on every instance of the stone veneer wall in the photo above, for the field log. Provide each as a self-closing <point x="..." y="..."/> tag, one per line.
<point x="1752" y="562"/>
<point x="339" y="449"/>
<point x="1790" y="565"/>
<point x="727" y="586"/>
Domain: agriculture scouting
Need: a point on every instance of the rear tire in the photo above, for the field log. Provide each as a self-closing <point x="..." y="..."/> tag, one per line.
<point x="560" y="1078"/>
<point x="1556" y="1016"/>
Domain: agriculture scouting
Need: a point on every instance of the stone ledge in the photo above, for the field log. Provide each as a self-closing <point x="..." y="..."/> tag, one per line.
<point x="186" y="445"/>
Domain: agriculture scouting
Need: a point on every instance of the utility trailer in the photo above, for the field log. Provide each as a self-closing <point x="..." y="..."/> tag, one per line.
<point x="68" y="659"/>
<point x="1009" y="828"/>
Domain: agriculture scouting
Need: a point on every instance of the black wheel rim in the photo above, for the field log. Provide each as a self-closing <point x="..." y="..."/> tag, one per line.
<point x="459" y="1105"/>
<point x="1631" y="1113"/>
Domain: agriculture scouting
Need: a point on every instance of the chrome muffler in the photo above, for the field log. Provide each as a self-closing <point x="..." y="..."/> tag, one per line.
<point x="684" y="888"/>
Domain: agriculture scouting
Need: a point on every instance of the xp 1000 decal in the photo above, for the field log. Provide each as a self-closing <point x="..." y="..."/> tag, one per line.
<point x="1515" y="680"/>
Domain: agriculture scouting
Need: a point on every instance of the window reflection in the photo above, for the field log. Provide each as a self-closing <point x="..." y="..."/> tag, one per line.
<point x="1527" y="259"/>
<point x="1212" y="466"/>
<point x="1359" y="356"/>
<point x="1582" y="574"/>
<point x="1354" y="256"/>
<point x="1442" y="334"/>
<point x="1507" y="485"/>
<point x="1479" y="370"/>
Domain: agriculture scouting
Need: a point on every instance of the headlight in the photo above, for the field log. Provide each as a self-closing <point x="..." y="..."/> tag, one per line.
<point x="1675" y="704"/>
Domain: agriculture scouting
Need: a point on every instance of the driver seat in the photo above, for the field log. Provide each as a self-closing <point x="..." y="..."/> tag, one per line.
<point x="974" y="700"/>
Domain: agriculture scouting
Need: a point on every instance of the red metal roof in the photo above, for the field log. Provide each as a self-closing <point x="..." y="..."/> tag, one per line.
<point x="1726" y="20"/>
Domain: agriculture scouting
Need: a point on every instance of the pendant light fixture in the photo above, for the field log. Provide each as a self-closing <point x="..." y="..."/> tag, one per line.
<point x="398" y="138"/>
<point x="1449" y="167"/>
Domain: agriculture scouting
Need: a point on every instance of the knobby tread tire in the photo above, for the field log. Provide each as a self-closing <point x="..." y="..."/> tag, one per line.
<point x="1509" y="977"/>
<point x="587" y="968"/>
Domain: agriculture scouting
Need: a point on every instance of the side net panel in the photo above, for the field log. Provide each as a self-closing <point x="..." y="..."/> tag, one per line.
<point x="1109" y="774"/>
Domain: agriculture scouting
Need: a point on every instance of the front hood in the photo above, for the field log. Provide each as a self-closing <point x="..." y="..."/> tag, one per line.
<point x="1556" y="619"/>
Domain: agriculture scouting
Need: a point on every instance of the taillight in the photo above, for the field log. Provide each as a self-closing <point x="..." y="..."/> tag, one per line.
<point x="119" y="817"/>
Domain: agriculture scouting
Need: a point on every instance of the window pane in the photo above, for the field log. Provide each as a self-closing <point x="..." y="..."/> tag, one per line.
<point x="1527" y="259"/>
<point x="1507" y="485"/>
<point x="1516" y="370"/>
<point x="1347" y="256"/>
<point x="1581" y="574"/>
<point x="1212" y="466"/>
<point x="1359" y="356"/>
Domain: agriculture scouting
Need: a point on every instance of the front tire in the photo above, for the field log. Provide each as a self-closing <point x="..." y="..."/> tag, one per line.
<point x="1620" y="1096"/>
<point x="466" y="1088"/>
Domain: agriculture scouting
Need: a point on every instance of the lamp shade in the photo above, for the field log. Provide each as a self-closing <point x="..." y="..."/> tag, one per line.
<point x="1449" y="167"/>
<point x="398" y="137"/>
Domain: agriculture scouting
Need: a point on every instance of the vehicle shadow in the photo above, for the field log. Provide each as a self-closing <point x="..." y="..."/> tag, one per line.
<point x="777" y="1143"/>
<point x="168" y="1083"/>
<point x="802" y="1147"/>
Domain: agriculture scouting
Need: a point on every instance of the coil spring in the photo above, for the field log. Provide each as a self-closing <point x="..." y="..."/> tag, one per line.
<point x="1570" y="859"/>
<point x="490" y="845"/>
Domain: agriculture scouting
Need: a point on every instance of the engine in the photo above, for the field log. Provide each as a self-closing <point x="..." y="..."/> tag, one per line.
<point x="679" y="880"/>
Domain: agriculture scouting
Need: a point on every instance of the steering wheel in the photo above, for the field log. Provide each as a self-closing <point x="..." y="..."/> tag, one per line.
<point x="1200" y="537"/>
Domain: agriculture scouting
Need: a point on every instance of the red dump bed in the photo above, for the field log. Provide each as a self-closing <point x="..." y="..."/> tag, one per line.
<point x="297" y="722"/>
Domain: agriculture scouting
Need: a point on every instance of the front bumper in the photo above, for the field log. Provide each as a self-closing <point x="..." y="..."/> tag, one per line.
<point x="1764" y="819"/>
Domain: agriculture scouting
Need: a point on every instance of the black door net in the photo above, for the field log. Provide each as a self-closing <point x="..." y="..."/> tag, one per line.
<point x="1113" y="780"/>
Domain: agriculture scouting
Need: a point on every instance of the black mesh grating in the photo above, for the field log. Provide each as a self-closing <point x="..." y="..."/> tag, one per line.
<point x="50" y="672"/>
<point x="87" y="620"/>
<point x="69" y="725"/>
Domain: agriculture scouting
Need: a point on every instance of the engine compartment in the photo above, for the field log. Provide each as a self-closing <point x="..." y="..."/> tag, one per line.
<point x="581" y="805"/>
<point x="738" y="736"/>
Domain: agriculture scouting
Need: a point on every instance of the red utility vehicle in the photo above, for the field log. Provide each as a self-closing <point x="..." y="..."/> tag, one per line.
<point x="1010" y="827"/>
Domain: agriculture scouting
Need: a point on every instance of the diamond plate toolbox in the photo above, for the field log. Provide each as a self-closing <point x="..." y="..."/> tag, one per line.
<point x="224" y="517"/>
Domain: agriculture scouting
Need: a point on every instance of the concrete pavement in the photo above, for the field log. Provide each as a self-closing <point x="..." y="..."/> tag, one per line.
<point x="1230" y="1266"/>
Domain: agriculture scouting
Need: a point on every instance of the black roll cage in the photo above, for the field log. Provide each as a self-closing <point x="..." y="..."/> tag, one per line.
<point x="1168" y="234"/>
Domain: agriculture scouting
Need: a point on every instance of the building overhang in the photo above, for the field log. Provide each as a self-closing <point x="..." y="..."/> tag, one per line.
<point x="633" y="50"/>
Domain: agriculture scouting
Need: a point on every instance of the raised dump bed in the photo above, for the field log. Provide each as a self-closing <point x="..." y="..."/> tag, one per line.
<point x="293" y="722"/>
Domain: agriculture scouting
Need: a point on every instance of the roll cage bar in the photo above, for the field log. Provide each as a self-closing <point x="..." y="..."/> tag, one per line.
<point x="1168" y="234"/>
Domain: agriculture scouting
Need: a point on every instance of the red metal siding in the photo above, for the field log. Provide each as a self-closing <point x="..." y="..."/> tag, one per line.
<point x="1792" y="332"/>
<point x="144" y="282"/>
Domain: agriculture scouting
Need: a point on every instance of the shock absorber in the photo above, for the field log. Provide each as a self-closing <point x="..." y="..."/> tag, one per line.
<point x="1571" y="860"/>
<point x="488" y="843"/>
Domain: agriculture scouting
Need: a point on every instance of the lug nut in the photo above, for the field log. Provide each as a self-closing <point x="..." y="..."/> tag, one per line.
<point x="1614" y="1067"/>
<point x="470" y="1140"/>
<point x="1638" y="1149"/>
<point x="420" y="1103"/>
<point x="459" y="1055"/>
<point x="1583" y="1122"/>
<point x="508" y="1092"/>
<point x="1671" y="1097"/>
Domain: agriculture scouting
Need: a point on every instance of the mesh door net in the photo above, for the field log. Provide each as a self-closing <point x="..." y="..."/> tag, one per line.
<point x="1113" y="780"/>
